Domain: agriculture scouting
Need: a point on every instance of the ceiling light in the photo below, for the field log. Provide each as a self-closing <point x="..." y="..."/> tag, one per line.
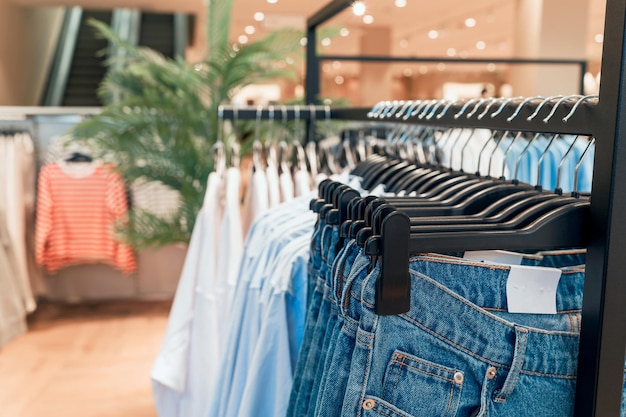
<point x="336" y="64"/>
<point x="289" y="60"/>
<point x="303" y="41"/>
<point x="259" y="16"/>
<point x="368" y="19"/>
<point x="480" y="45"/>
<point x="470" y="22"/>
<point x="250" y="30"/>
<point x="407" y="72"/>
<point x="339" y="79"/>
<point x="243" y="39"/>
<point x="272" y="1"/>
<point x="400" y="3"/>
<point x="344" y="32"/>
<point x="404" y="43"/>
<point x="491" y="67"/>
<point x="326" y="67"/>
<point x="433" y="34"/>
<point x="599" y="38"/>
<point x="423" y="70"/>
<point x="451" y="52"/>
<point x="441" y="66"/>
<point x="325" y="42"/>
<point x="358" y="8"/>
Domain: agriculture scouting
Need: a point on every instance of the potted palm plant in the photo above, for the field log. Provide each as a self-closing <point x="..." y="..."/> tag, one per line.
<point x="160" y="119"/>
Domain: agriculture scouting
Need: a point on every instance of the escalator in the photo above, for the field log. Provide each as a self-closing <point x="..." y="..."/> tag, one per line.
<point x="79" y="67"/>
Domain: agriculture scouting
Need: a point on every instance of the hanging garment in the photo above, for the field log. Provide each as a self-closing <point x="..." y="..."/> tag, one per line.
<point x="12" y="306"/>
<point x="17" y="160"/>
<point x="189" y="354"/>
<point x="77" y="210"/>
<point x="256" y="199"/>
<point x="274" y="231"/>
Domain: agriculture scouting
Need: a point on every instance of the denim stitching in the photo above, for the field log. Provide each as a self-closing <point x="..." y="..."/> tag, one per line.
<point x="478" y="309"/>
<point x="386" y="410"/>
<point x="571" y="322"/>
<point x="450" y="398"/>
<point x="395" y="386"/>
<point x="423" y="371"/>
<point x="425" y="363"/>
<point x="469" y="352"/>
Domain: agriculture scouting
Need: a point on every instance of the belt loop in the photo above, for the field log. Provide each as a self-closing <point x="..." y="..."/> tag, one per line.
<point x="521" y="342"/>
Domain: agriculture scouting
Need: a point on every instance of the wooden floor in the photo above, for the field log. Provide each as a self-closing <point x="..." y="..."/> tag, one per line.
<point x="83" y="361"/>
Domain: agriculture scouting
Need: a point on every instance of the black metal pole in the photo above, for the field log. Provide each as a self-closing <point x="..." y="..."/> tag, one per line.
<point x="603" y="337"/>
<point x="583" y="71"/>
<point x="312" y="67"/>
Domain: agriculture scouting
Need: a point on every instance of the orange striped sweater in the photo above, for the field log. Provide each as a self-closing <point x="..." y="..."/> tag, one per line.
<point x="76" y="216"/>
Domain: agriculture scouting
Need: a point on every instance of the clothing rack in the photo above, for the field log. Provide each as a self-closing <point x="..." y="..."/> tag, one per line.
<point x="603" y="335"/>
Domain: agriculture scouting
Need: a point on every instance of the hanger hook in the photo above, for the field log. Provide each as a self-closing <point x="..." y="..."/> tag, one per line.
<point x="558" y="104"/>
<point x="540" y="106"/>
<point x="507" y="101"/>
<point x="406" y="105"/>
<point x="462" y="111"/>
<point x="425" y="110"/>
<point x="476" y="107"/>
<point x="435" y="108"/>
<point x="375" y="109"/>
<point x="492" y="101"/>
<point x="521" y="105"/>
<point x="445" y="109"/>
<point x="575" y="107"/>
<point x="410" y="109"/>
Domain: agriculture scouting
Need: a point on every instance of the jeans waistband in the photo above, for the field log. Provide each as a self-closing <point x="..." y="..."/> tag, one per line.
<point x="485" y="284"/>
<point x="473" y="330"/>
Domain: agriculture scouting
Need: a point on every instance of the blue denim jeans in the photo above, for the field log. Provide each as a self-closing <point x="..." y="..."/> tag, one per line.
<point x="301" y="395"/>
<point x="337" y="362"/>
<point x="458" y="353"/>
<point x="314" y="299"/>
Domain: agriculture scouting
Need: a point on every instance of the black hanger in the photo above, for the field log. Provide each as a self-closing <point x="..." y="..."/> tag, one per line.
<point x="563" y="227"/>
<point x="79" y="157"/>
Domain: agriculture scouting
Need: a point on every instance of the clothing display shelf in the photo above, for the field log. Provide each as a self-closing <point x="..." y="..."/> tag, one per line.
<point x="603" y="335"/>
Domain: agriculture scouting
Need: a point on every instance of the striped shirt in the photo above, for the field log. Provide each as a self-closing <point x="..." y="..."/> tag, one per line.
<point x="76" y="217"/>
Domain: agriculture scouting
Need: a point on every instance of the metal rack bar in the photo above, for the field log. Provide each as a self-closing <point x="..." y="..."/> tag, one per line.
<point x="580" y="122"/>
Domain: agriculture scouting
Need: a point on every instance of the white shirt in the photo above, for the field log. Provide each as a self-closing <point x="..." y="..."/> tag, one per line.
<point x="187" y="358"/>
<point x="286" y="187"/>
<point x="256" y="200"/>
<point x="302" y="180"/>
<point x="273" y="185"/>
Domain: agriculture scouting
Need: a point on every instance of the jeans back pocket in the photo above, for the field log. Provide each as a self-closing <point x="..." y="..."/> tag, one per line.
<point x="422" y="388"/>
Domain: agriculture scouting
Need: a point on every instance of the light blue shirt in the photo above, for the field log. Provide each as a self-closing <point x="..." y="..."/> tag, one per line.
<point x="269" y="235"/>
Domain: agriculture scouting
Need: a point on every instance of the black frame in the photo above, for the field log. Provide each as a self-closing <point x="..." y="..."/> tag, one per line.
<point x="603" y="334"/>
<point x="313" y="60"/>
